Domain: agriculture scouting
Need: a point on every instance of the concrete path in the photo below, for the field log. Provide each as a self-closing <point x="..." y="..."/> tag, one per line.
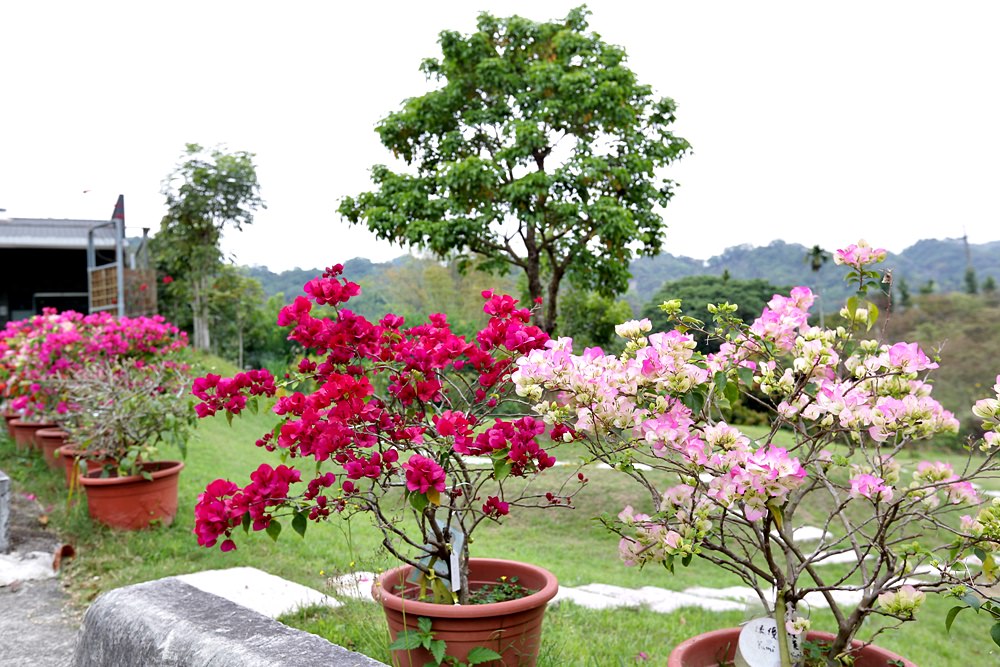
<point x="37" y="626"/>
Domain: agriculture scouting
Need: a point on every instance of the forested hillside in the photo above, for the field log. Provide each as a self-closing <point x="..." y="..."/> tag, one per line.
<point x="929" y="266"/>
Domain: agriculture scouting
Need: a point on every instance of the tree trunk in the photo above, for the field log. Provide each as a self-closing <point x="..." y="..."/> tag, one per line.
<point x="199" y="314"/>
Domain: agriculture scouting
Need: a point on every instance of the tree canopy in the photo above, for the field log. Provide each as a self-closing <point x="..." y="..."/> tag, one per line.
<point x="696" y="292"/>
<point x="540" y="150"/>
<point x="207" y="191"/>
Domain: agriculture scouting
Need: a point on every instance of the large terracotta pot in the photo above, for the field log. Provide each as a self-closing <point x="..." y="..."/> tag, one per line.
<point x="706" y="650"/>
<point x="50" y="440"/>
<point x="24" y="432"/>
<point x="512" y="628"/>
<point x="133" y="503"/>
<point x="74" y="462"/>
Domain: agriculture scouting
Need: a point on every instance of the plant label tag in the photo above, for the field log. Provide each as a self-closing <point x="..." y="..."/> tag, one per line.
<point x="758" y="645"/>
<point x="456" y="575"/>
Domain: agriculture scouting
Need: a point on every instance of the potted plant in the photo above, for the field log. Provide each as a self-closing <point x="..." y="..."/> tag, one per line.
<point x="37" y="353"/>
<point x="123" y="412"/>
<point x="841" y="407"/>
<point x="418" y="428"/>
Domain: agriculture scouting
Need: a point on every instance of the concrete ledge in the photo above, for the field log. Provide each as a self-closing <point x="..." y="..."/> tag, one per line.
<point x="168" y="622"/>
<point x="4" y="512"/>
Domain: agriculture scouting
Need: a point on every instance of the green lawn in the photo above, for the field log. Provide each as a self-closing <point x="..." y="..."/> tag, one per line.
<point x="571" y="543"/>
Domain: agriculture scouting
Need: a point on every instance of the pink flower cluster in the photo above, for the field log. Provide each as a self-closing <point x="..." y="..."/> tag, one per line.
<point x="858" y="255"/>
<point x="640" y="403"/>
<point x="230" y="394"/>
<point x="36" y="351"/>
<point x="439" y="388"/>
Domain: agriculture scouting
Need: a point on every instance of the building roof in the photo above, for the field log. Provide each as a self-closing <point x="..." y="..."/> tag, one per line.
<point x="52" y="233"/>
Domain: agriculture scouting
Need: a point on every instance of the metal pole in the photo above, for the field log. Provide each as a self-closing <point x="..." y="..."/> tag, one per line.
<point x="120" y="262"/>
<point x="118" y="218"/>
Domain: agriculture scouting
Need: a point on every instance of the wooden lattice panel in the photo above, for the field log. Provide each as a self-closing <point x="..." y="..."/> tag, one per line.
<point x="104" y="288"/>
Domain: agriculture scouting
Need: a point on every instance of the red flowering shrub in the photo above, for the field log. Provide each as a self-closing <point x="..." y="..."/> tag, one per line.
<point x="429" y="457"/>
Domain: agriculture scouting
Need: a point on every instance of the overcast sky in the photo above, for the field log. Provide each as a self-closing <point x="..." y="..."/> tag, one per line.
<point x="814" y="123"/>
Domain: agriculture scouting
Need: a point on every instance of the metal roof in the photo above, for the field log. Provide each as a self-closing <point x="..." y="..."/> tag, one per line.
<point x="52" y="233"/>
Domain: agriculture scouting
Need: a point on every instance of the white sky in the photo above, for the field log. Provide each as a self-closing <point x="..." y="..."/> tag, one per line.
<point x="811" y="122"/>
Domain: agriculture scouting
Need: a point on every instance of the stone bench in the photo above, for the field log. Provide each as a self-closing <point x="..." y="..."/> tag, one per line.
<point x="171" y="623"/>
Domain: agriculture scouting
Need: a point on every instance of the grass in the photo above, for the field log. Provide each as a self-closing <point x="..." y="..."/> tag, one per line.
<point x="570" y="543"/>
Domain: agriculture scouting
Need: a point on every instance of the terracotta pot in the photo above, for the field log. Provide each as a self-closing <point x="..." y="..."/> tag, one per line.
<point x="133" y="503"/>
<point x="24" y="432"/>
<point x="8" y="417"/>
<point x="708" y="649"/>
<point x="50" y="440"/>
<point x="512" y="628"/>
<point x="73" y="462"/>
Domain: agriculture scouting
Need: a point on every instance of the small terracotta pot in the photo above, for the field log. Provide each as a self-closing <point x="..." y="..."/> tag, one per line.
<point x="512" y="628"/>
<point x="73" y="462"/>
<point x="133" y="503"/>
<point x="8" y="417"/>
<point x="50" y="440"/>
<point x="707" y="649"/>
<point x="24" y="432"/>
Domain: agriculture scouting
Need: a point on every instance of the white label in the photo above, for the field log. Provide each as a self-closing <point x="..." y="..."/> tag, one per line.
<point x="456" y="575"/>
<point x="758" y="645"/>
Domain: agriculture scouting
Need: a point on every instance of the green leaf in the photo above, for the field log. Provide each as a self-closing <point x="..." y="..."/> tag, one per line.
<point x="480" y="654"/>
<point x="745" y="375"/>
<point x="980" y="554"/>
<point x="273" y="530"/>
<point x="972" y="600"/>
<point x="501" y="468"/>
<point x="732" y="392"/>
<point x="425" y="624"/>
<point x="253" y="405"/>
<point x="950" y="618"/>
<point x="246" y="522"/>
<point x="872" y="315"/>
<point x="229" y="417"/>
<point x="686" y="560"/>
<point x="695" y="400"/>
<point x="419" y="501"/>
<point x="406" y="641"/>
<point x="720" y="380"/>
<point x="437" y="650"/>
<point x="995" y="633"/>
<point x="299" y="524"/>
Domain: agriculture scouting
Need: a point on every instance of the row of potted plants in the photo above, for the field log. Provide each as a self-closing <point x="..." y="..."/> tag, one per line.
<point x="100" y="395"/>
<point x="432" y="435"/>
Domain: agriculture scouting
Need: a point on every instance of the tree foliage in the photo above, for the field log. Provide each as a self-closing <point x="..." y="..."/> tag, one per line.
<point x="696" y="292"/>
<point x="590" y="319"/>
<point x="540" y="150"/>
<point x="209" y="190"/>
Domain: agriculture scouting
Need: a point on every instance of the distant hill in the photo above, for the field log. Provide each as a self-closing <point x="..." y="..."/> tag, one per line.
<point x="942" y="261"/>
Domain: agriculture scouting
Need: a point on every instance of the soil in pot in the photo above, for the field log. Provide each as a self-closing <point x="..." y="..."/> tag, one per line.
<point x="134" y="502"/>
<point x="718" y="649"/>
<point x="512" y="628"/>
<point x="50" y="440"/>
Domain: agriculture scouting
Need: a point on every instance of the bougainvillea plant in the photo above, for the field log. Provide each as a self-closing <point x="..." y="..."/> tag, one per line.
<point x="415" y="426"/>
<point x="39" y="351"/>
<point x="842" y="406"/>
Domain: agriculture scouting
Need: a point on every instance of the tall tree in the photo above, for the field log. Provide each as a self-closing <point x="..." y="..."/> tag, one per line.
<point x="207" y="191"/>
<point x="540" y="150"/>
<point x="816" y="257"/>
